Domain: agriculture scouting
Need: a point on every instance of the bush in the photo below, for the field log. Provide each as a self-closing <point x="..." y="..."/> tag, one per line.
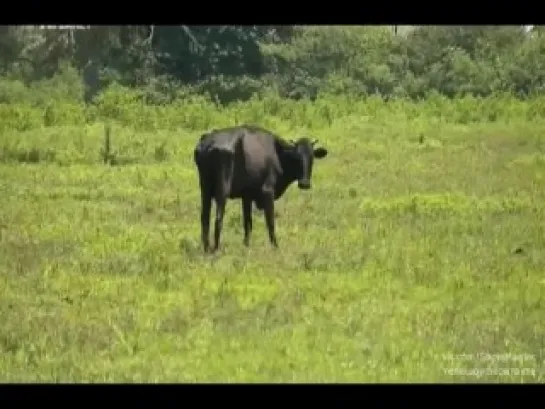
<point x="193" y="112"/>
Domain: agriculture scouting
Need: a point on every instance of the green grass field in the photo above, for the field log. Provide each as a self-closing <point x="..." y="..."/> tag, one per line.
<point x="417" y="257"/>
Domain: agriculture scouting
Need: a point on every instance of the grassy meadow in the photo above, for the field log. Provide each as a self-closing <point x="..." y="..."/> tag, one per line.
<point x="416" y="257"/>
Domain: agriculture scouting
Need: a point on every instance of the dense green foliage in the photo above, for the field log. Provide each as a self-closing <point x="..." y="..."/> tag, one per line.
<point x="235" y="63"/>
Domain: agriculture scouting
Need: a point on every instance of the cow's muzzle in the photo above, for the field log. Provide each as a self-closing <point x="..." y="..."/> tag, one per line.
<point x="304" y="184"/>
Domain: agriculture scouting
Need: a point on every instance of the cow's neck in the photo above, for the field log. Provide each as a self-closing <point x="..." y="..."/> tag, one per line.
<point x="287" y="177"/>
<point x="282" y="184"/>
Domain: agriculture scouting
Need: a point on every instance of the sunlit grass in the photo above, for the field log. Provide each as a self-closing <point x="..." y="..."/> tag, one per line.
<point x="418" y="251"/>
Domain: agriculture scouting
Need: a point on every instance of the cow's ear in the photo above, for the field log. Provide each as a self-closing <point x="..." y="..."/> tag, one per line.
<point x="320" y="153"/>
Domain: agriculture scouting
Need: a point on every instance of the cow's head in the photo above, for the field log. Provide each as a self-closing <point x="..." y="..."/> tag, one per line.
<point x="304" y="153"/>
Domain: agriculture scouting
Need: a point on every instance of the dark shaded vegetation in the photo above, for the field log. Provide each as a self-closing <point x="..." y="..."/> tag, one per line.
<point x="233" y="63"/>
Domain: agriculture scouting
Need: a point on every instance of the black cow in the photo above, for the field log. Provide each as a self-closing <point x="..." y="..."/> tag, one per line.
<point x="249" y="163"/>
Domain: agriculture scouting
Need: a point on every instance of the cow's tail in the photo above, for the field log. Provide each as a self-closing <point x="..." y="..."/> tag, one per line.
<point x="196" y="155"/>
<point x="198" y="148"/>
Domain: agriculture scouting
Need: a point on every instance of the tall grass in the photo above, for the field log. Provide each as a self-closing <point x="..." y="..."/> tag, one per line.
<point x="74" y="127"/>
<point x="193" y="113"/>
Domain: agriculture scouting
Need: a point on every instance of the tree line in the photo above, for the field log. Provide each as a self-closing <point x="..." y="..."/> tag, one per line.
<point x="233" y="63"/>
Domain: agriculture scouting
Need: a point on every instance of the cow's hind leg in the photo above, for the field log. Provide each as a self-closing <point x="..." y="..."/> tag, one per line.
<point x="206" y="206"/>
<point x="224" y="178"/>
<point x="268" y="207"/>
<point x="247" y="216"/>
<point x="220" y="211"/>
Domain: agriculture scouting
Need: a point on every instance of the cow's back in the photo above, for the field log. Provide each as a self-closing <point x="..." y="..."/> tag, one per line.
<point x="259" y="154"/>
<point x="252" y="156"/>
<point x="252" y="151"/>
<point x="224" y="141"/>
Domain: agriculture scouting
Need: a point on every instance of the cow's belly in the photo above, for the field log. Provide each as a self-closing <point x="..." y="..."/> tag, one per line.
<point x="246" y="183"/>
<point x="252" y="192"/>
<point x="255" y="194"/>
